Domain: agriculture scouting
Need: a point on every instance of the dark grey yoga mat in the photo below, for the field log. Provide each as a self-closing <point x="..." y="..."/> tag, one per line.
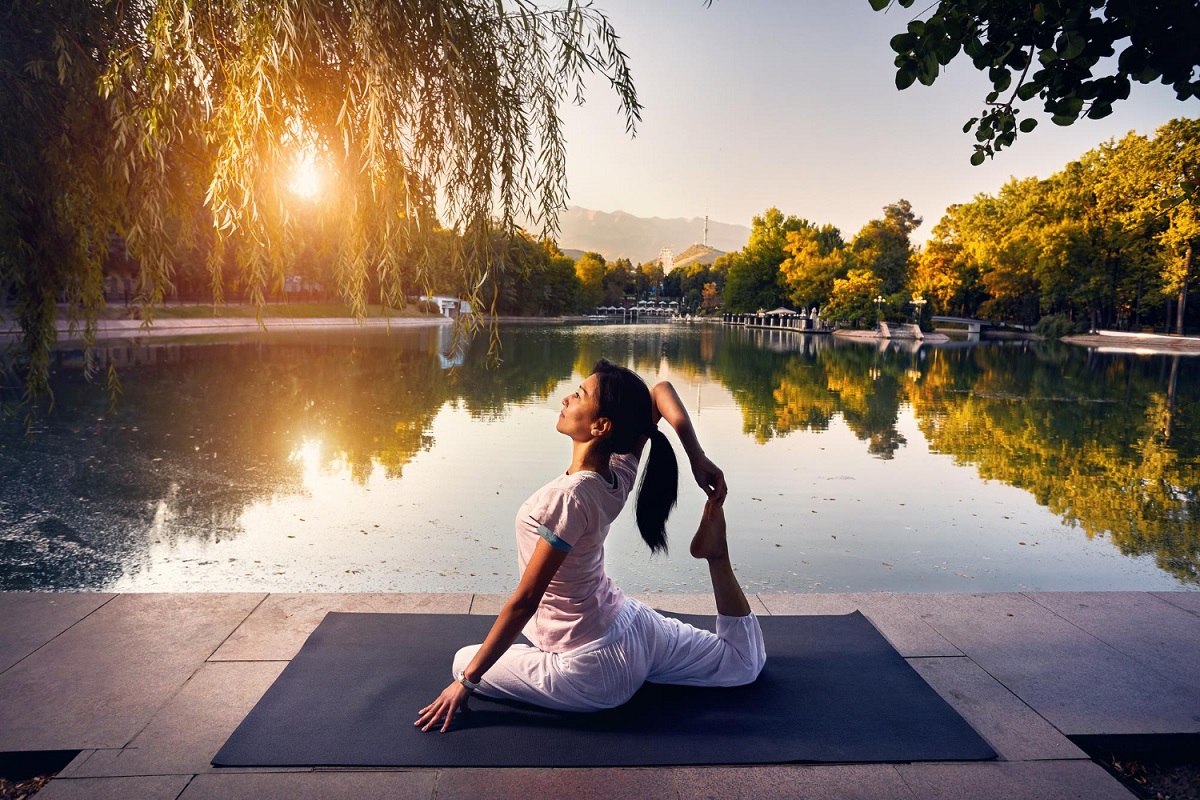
<point x="833" y="690"/>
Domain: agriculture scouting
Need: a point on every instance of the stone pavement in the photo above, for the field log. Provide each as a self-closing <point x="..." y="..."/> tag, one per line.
<point x="149" y="686"/>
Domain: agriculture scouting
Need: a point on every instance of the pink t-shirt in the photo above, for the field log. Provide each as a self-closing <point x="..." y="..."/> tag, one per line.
<point x="573" y="513"/>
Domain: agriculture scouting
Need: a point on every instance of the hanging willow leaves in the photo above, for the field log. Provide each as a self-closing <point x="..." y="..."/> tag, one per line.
<point x="176" y="125"/>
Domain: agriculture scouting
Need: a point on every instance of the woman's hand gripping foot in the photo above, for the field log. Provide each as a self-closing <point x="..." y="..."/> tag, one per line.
<point x="710" y="543"/>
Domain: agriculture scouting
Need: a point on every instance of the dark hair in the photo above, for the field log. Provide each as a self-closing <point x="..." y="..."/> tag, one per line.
<point x="625" y="401"/>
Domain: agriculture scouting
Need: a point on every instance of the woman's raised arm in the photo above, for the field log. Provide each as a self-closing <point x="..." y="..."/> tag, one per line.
<point x="668" y="406"/>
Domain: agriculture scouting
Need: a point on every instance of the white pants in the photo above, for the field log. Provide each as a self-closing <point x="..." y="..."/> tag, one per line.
<point x="641" y="645"/>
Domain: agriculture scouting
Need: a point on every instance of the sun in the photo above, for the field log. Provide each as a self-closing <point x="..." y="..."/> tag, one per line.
<point x="306" y="177"/>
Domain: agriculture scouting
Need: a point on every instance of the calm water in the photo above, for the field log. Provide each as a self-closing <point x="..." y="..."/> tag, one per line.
<point x="360" y="462"/>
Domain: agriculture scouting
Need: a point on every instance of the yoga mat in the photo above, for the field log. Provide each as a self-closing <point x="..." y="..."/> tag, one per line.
<point x="833" y="690"/>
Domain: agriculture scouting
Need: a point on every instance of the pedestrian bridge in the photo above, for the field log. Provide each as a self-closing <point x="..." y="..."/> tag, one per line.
<point x="973" y="325"/>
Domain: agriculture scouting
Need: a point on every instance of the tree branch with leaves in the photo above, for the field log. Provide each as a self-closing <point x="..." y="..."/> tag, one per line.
<point x="1057" y="50"/>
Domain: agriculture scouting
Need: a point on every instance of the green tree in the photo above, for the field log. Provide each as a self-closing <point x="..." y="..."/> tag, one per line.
<point x="162" y="119"/>
<point x="1056" y="51"/>
<point x="883" y="246"/>
<point x="754" y="280"/>
<point x="619" y="281"/>
<point x="535" y="278"/>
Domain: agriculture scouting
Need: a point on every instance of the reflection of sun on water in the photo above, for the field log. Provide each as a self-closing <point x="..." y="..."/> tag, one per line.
<point x="308" y="453"/>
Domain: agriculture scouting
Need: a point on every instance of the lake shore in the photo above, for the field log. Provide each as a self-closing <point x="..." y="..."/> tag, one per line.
<point x="1139" y="343"/>
<point x="873" y="336"/>
<point x="183" y="327"/>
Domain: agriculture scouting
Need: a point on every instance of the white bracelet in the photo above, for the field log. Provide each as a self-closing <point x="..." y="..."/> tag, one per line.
<point x="461" y="677"/>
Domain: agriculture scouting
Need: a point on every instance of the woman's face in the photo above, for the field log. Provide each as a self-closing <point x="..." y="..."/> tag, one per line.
<point x="580" y="411"/>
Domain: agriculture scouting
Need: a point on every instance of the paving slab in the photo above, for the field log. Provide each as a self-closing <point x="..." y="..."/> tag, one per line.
<point x="1077" y="682"/>
<point x="31" y="619"/>
<point x="576" y="784"/>
<point x="100" y="682"/>
<point x="834" y="782"/>
<point x="158" y="787"/>
<point x="888" y="612"/>
<point x="281" y="624"/>
<point x="187" y="732"/>
<point x="1013" y="780"/>
<point x="1151" y="631"/>
<point x="375" y="785"/>
<point x="76" y="764"/>
<point x="1013" y="729"/>
<point x="488" y="604"/>
<point x="694" y="603"/>
<point x="1188" y="601"/>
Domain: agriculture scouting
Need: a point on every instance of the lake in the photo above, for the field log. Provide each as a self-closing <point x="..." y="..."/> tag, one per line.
<point x="381" y="461"/>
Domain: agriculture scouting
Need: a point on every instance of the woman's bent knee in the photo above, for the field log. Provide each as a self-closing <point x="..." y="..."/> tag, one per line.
<point x="464" y="656"/>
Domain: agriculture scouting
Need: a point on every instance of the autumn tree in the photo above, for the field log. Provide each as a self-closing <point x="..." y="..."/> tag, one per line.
<point x="1174" y="180"/>
<point x="648" y="277"/>
<point x="1103" y="242"/>
<point x="853" y="298"/>
<point x="816" y="257"/>
<point x="944" y="274"/>
<point x="591" y="269"/>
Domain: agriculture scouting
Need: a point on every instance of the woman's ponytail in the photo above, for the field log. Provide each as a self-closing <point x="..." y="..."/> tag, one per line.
<point x="657" y="492"/>
<point x="627" y="403"/>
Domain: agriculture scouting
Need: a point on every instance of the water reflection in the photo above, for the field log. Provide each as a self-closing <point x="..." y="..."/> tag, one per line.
<point x="225" y="457"/>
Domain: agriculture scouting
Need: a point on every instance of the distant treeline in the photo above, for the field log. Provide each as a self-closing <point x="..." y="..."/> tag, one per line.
<point x="1109" y="241"/>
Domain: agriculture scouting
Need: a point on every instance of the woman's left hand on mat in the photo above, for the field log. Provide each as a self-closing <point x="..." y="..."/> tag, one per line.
<point x="452" y="699"/>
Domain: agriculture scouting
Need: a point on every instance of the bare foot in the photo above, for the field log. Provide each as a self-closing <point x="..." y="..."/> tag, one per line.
<point x="709" y="542"/>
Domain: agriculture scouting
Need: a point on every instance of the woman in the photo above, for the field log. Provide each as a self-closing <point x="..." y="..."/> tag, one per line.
<point x="594" y="647"/>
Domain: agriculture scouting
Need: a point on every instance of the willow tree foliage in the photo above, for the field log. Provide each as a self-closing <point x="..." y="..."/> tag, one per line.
<point x="177" y="125"/>
<point x="1060" y="51"/>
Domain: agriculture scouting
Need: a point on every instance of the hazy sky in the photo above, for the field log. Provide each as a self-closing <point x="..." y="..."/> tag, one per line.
<point x="751" y="104"/>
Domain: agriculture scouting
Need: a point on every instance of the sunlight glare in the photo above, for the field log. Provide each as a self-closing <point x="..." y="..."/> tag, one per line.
<point x="306" y="178"/>
<point x="309" y="456"/>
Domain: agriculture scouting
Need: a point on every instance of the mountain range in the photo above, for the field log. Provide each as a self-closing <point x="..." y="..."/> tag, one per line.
<point x="622" y="235"/>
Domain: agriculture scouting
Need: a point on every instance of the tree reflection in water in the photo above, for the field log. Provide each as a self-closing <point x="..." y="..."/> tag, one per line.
<point x="1108" y="443"/>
